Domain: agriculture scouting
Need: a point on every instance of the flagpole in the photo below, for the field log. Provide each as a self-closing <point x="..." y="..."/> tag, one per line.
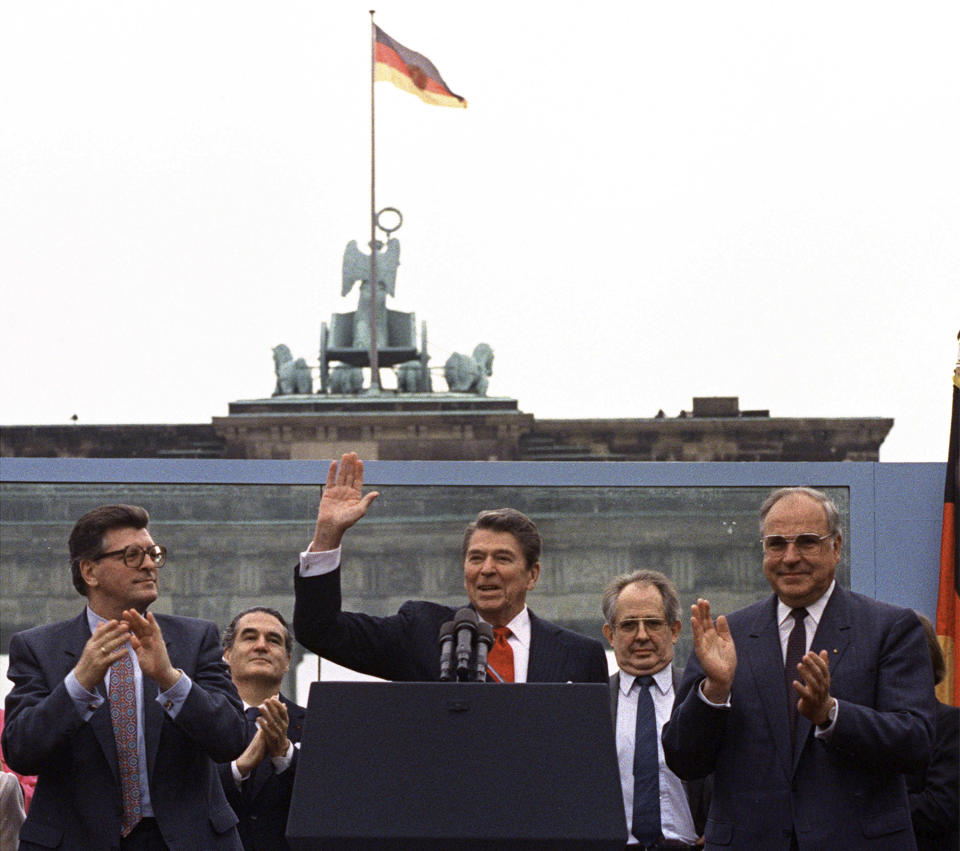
<point x="374" y="283"/>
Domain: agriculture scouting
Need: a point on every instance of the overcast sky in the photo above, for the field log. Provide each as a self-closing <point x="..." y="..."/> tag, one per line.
<point x="643" y="203"/>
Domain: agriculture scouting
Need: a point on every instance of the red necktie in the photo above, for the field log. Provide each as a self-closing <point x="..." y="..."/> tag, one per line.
<point x="500" y="657"/>
<point x="123" y="715"/>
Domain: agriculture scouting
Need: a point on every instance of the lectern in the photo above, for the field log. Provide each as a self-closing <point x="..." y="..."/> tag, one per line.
<point x="457" y="766"/>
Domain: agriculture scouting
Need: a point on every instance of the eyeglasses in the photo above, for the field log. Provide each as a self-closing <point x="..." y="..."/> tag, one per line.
<point x="807" y="543"/>
<point x="134" y="555"/>
<point x="631" y="626"/>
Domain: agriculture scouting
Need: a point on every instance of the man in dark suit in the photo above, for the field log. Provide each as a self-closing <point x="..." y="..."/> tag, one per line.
<point x="259" y="783"/>
<point x="808" y="706"/>
<point x="641" y="614"/>
<point x="935" y="792"/>
<point x="122" y="713"/>
<point x="501" y="563"/>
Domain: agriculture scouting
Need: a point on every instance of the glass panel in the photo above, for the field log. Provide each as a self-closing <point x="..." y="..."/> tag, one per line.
<point x="233" y="546"/>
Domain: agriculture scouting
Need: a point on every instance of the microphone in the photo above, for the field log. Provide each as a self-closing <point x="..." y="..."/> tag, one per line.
<point x="446" y="651"/>
<point x="484" y="643"/>
<point x="465" y="627"/>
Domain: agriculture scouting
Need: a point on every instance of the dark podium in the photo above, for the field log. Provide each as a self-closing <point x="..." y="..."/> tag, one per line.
<point x="457" y="765"/>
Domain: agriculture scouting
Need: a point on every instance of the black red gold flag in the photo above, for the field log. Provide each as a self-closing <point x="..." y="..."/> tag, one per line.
<point x="948" y="598"/>
<point x="411" y="71"/>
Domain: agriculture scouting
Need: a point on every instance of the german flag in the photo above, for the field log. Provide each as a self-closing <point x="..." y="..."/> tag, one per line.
<point x="410" y="71"/>
<point x="948" y="598"/>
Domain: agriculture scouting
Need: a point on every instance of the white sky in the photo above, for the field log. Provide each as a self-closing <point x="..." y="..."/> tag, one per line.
<point x="644" y="202"/>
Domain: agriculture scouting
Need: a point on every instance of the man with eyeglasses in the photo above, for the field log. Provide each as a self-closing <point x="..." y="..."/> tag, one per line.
<point x="641" y="614"/>
<point x="808" y="707"/>
<point x="122" y="713"/>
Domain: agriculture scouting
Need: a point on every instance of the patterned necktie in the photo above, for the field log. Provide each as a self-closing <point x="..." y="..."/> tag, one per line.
<point x="500" y="657"/>
<point x="646" y="768"/>
<point x="796" y="647"/>
<point x="123" y="715"/>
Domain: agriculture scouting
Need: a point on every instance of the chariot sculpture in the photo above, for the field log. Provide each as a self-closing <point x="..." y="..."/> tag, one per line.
<point x="347" y="340"/>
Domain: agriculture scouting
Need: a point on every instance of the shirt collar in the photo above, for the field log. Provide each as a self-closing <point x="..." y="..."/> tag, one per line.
<point x="663" y="679"/>
<point x="94" y="620"/>
<point x="814" y="610"/>
<point x="247" y="706"/>
<point x="520" y="627"/>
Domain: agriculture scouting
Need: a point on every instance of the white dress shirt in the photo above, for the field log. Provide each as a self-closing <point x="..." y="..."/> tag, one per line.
<point x="676" y="821"/>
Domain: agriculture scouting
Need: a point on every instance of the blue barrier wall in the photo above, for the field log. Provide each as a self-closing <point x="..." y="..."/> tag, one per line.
<point x="895" y="509"/>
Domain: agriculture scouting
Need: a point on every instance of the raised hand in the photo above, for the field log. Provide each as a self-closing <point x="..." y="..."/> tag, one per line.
<point x="716" y="653"/>
<point x="147" y="642"/>
<point x="813" y="688"/>
<point x="107" y="644"/>
<point x="342" y="503"/>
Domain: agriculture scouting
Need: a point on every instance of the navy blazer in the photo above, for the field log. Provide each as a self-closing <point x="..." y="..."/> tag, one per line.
<point x="405" y="646"/>
<point x="77" y="803"/>
<point x="845" y="791"/>
<point x="263" y="802"/>
<point x="935" y="792"/>
<point x="698" y="791"/>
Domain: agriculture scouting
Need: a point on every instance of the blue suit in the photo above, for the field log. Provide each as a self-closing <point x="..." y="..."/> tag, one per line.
<point x="77" y="801"/>
<point x="404" y="646"/>
<point x="846" y="791"/>
<point x="262" y="803"/>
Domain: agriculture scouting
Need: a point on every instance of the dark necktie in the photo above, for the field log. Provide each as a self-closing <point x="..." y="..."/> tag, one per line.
<point x="252" y="714"/>
<point x="246" y="788"/>
<point x="123" y="716"/>
<point x="796" y="647"/>
<point x="500" y="657"/>
<point x="646" y="768"/>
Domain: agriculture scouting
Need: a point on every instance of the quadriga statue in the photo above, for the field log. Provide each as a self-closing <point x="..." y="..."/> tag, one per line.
<point x="293" y="376"/>
<point x="469" y="374"/>
<point x="346" y="379"/>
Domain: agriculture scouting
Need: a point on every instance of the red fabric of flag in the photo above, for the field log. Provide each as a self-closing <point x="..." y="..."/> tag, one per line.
<point x="948" y="598"/>
<point x="411" y="71"/>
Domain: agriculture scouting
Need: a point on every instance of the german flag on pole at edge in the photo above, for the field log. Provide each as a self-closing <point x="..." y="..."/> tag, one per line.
<point x="412" y="72"/>
<point x="948" y="598"/>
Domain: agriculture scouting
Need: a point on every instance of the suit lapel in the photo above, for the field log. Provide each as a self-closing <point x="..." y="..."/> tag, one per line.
<point x="77" y="637"/>
<point x="153" y="713"/>
<point x="764" y="657"/>
<point x="614" y="697"/>
<point x="542" y="666"/>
